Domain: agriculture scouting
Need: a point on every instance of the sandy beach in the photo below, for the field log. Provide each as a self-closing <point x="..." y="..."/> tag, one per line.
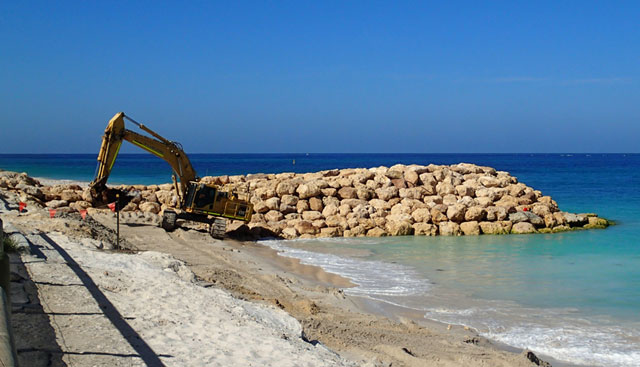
<point x="190" y="300"/>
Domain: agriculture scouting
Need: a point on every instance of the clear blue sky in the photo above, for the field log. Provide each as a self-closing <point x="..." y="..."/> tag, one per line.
<point x="344" y="76"/>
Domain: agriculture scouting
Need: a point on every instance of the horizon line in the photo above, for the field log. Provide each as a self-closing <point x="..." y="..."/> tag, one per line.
<point x="351" y="153"/>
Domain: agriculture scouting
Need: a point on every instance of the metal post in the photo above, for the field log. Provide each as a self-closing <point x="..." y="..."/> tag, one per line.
<point x="117" y="221"/>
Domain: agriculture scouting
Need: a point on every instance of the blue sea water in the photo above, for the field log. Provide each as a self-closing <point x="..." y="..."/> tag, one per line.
<point x="573" y="296"/>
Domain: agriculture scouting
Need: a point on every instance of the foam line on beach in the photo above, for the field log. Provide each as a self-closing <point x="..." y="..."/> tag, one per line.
<point x="554" y="332"/>
<point x="373" y="278"/>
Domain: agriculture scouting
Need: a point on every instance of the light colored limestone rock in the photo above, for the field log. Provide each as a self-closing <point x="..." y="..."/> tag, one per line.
<point x="471" y="228"/>
<point x="449" y="229"/>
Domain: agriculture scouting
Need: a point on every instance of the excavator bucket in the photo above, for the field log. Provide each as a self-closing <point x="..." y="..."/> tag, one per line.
<point x="101" y="196"/>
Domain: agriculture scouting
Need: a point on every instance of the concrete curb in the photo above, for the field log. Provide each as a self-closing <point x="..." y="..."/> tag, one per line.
<point x="8" y="356"/>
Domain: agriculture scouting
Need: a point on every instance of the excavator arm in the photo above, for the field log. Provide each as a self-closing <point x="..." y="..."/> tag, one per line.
<point x="162" y="148"/>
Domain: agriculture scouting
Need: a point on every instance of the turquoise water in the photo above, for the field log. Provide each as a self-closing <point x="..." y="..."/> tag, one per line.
<point x="573" y="296"/>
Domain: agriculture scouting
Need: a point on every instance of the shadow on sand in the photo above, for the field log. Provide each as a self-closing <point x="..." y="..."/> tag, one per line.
<point x="35" y="337"/>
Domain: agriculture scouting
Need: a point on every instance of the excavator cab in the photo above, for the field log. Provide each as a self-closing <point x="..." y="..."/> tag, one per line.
<point x="210" y="200"/>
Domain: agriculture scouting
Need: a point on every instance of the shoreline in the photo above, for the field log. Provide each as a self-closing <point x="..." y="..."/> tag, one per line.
<point x="399" y="313"/>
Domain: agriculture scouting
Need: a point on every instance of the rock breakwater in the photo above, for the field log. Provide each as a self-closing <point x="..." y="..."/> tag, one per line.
<point x="448" y="200"/>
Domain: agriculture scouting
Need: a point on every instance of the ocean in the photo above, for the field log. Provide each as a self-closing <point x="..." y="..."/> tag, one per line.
<point x="572" y="296"/>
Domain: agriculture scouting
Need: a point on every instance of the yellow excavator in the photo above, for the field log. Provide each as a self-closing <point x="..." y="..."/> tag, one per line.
<point x="197" y="201"/>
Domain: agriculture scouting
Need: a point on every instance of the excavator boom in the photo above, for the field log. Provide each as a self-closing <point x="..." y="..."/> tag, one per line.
<point x="162" y="148"/>
<point x="198" y="201"/>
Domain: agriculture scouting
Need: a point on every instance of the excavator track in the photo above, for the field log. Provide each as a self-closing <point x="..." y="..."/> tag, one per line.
<point x="218" y="228"/>
<point x="169" y="219"/>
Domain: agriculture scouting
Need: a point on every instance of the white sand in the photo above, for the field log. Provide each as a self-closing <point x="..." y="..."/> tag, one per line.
<point x="196" y="326"/>
<point x="54" y="181"/>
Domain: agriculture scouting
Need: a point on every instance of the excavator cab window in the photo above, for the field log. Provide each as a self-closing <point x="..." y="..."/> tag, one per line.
<point x="222" y="195"/>
<point x="205" y="196"/>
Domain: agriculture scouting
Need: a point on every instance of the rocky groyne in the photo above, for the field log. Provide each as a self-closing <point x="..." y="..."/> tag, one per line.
<point x="454" y="200"/>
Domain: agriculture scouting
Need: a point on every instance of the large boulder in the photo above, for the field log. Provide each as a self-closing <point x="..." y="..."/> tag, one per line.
<point x="495" y="213"/>
<point x="316" y="204"/>
<point x="273" y="216"/>
<point x="289" y="200"/>
<point x="348" y="193"/>
<point x="456" y="213"/>
<point x="387" y="193"/>
<point x="311" y="215"/>
<point x="273" y="203"/>
<point x="289" y="233"/>
<point x="449" y="229"/>
<point x="364" y="193"/>
<point x="438" y="214"/>
<point x="489" y="181"/>
<point x="445" y="188"/>
<point x="54" y="204"/>
<point x="471" y="228"/>
<point x="540" y="209"/>
<point x="329" y="210"/>
<point x="286" y="188"/>
<point x="149" y="207"/>
<point x="500" y="227"/>
<point x="421" y="215"/>
<point x="288" y="209"/>
<point x="429" y="182"/>
<point x="411" y="177"/>
<point x="507" y="201"/>
<point x="489" y="193"/>
<point x="527" y="199"/>
<point x="305" y="227"/>
<point x="595" y="222"/>
<point x="260" y="207"/>
<point x="166" y="197"/>
<point x="523" y="228"/>
<point x="377" y="232"/>
<point x="310" y="189"/>
<point x="484" y="201"/>
<point x="464" y="190"/>
<point x="148" y="196"/>
<point x="33" y="191"/>
<point x="425" y="229"/>
<point x="399" y="227"/>
<point x="516" y="190"/>
<point x="475" y="213"/>
<point x="264" y="192"/>
<point x="302" y="205"/>
<point x="449" y="199"/>
<point x="70" y="195"/>
<point x="330" y="232"/>
<point x="336" y="221"/>
<point x="527" y="216"/>
<point x="395" y="173"/>
<point x="379" y="204"/>
<point x="559" y="217"/>
<point x="550" y="221"/>
<point x="575" y="220"/>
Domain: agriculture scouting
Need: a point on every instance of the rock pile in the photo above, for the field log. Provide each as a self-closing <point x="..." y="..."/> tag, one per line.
<point x="460" y="199"/>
